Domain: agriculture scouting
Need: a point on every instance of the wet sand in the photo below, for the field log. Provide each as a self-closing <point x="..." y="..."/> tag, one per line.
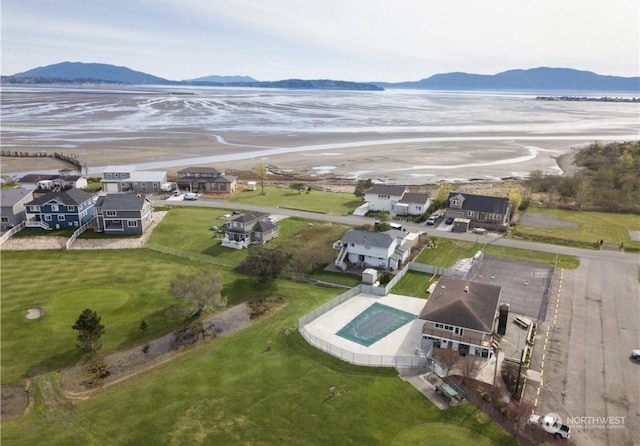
<point x="397" y="158"/>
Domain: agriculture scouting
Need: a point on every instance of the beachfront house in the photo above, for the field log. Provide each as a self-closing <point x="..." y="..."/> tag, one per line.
<point x="60" y="210"/>
<point x="411" y="204"/>
<point x="127" y="179"/>
<point x="123" y="214"/>
<point x="462" y="315"/>
<point x="491" y="213"/>
<point x="205" y="179"/>
<point x="246" y="229"/>
<point x="387" y="250"/>
<point x="12" y="206"/>
<point x="382" y="197"/>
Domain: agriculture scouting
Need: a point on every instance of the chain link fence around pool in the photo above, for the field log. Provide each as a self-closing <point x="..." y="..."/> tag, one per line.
<point x="418" y="360"/>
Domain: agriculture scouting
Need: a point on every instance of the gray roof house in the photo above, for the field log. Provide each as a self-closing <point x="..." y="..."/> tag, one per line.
<point x="60" y="210"/>
<point x="412" y="203"/>
<point x="128" y="179"/>
<point x="387" y="250"/>
<point x="493" y="213"/>
<point x="12" y="206"/>
<point x="205" y="179"/>
<point x="461" y="315"/>
<point x="246" y="229"/>
<point x="382" y="197"/>
<point x="123" y="214"/>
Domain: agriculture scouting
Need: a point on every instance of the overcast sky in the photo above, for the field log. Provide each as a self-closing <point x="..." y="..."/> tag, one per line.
<point x="358" y="40"/>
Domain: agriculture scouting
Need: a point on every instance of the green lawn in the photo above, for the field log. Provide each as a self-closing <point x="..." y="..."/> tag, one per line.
<point x="334" y="203"/>
<point x="414" y="284"/>
<point x="591" y="227"/>
<point x="448" y="251"/>
<point x="232" y="391"/>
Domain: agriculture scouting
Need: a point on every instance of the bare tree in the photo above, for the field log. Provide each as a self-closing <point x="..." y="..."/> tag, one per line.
<point x="469" y="368"/>
<point x="519" y="413"/>
<point x="447" y="359"/>
<point x="201" y="290"/>
<point x="261" y="172"/>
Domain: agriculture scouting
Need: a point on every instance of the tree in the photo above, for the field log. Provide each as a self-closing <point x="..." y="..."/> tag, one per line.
<point x="447" y="359"/>
<point x="515" y="199"/>
<point x="519" y="413"/>
<point x="201" y="290"/>
<point x="361" y="187"/>
<point x="298" y="186"/>
<point x="382" y="223"/>
<point x="143" y="327"/>
<point x="265" y="263"/>
<point x="261" y="172"/>
<point x="469" y="368"/>
<point x="90" y="330"/>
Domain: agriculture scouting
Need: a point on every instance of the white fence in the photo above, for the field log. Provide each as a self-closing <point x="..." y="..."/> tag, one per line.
<point x="10" y="232"/>
<point x="79" y="231"/>
<point x="418" y="360"/>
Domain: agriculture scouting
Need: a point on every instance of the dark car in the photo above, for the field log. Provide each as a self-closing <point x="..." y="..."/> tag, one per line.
<point x="448" y="221"/>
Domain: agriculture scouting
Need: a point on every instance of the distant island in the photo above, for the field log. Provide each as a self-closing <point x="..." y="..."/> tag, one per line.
<point x="530" y="80"/>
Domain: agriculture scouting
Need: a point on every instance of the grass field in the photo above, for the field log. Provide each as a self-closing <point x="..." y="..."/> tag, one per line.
<point x="448" y="251"/>
<point x="232" y="391"/>
<point x="613" y="229"/>
<point x="414" y="284"/>
<point x="333" y="203"/>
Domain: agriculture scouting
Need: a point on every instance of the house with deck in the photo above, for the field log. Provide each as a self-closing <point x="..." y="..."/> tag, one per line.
<point x="462" y="315"/>
<point x="411" y="204"/>
<point x="12" y="206"/>
<point x="123" y="214"/>
<point x="387" y="250"/>
<point x="247" y="229"/>
<point x="60" y="210"/>
<point x="491" y="213"/>
<point x="205" y="179"/>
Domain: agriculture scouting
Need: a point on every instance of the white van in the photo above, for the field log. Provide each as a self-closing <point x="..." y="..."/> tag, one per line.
<point x="190" y="196"/>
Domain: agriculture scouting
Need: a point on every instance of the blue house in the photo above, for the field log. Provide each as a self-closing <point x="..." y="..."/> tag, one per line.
<point x="60" y="210"/>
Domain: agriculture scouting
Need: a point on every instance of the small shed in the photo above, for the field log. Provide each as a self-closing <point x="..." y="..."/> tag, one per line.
<point x="460" y="225"/>
<point x="251" y="185"/>
<point x="369" y="276"/>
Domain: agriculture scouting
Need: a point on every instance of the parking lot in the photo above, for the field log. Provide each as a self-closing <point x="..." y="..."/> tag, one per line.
<point x="587" y="376"/>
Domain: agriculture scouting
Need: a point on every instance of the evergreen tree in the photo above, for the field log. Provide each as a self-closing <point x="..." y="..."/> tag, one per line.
<point x="90" y="330"/>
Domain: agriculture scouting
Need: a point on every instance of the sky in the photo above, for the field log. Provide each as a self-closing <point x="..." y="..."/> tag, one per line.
<point x="356" y="40"/>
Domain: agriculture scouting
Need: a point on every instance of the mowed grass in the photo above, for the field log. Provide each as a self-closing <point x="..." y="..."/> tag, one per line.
<point x="233" y="391"/>
<point x="124" y="287"/>
<point x="333" y="203"/>
<point x="448" y="251"/>
<point x="613" y="229"/>
<point x="414" y="284"/>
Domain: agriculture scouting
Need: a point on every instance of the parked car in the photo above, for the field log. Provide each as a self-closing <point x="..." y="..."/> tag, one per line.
<point x="449" y="221"/>
<point x="635" y="355"/>
<point x="431" y="220"/>
<point x="190" y="196"/>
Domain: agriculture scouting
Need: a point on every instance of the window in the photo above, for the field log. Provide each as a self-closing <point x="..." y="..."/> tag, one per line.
<point x="5" y="220"/>
<point x="34" y="208"/>
<point x="132" y="223"/>
<point x="47" y="218"/>
<point x="444" y="327"/>
<point x="458" y="331"/>
<point x="54" y="208"/>
<point x="470" y="213"/>
<point x="455" y="203"/>
<point x="111" y="213"/>
<point x="71" y="208"/>
<point x="61" y="217"/>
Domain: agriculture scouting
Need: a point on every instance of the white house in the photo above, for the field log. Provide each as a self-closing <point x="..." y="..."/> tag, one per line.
<point x="128" y="179"/>
<point x="382" y="197"/>
<point x="387" y="250"/>
<point x="412" y="204"/>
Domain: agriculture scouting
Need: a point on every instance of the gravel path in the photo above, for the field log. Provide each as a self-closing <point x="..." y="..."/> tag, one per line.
<point x="43" y="242"/>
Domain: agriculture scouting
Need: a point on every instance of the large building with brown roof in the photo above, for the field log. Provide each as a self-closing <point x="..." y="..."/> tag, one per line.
<point x="462" y="315"/>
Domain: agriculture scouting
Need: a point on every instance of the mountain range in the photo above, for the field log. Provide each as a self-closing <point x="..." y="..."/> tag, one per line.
<point x="535" y="79"/>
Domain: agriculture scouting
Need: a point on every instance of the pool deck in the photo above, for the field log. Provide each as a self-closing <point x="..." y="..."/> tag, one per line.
<point x="401" y="342"/>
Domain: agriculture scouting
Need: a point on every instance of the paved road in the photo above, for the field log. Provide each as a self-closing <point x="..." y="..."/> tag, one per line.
<point x="597" y="324"/>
